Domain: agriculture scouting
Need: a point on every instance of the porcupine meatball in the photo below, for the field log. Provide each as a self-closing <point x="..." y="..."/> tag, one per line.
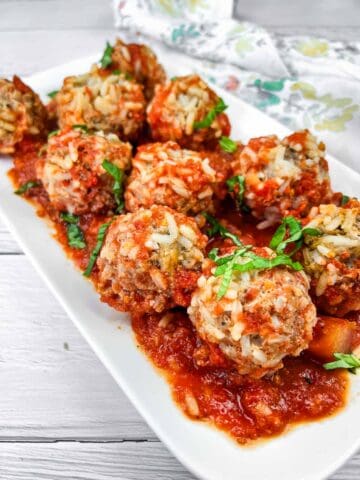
<point x="21" y="113"/>
<point x="332" y="259"/>
<point x="165" y="174"/>
<point x="264" y="315"/>
<point x="176" y="107"/>
<point x="72" y="172"/>
<point x="150" y="260"/>
<point x="139" y="61"/>
<point x="102" y="100"/>
<point x="283" y="177"/>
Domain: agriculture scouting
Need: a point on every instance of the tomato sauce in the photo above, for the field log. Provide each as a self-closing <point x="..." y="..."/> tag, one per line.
<point x="211" y="391"/>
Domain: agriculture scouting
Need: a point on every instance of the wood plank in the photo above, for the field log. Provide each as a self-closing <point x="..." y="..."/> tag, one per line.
<point x="307" y="12"/>
<point x="33" y="52"/>
<point x="104" y="461"/>
<point x="91" y="14"/>
<point x="53" y="385"/>
<point x="53" y="14"/>
<point x="79" y="461"/>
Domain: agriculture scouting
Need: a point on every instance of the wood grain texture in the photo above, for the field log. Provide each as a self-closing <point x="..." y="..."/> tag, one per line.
<point x="61" y="415"/>
<point x="55" y="386"/>
<point x="79" y="461"/>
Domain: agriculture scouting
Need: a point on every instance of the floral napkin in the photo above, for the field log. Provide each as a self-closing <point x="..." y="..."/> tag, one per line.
<point x="301" y="81"/>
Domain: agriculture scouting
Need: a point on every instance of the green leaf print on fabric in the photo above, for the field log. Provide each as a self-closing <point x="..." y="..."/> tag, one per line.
<point x="265" y="88"/>
<point x="329" y="113"/>
<point x="180" y="33"/>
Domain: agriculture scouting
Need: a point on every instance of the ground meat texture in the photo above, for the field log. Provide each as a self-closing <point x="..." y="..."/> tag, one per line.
<point x="140" y="62"/>
<point x="175" y="108"/>
<point x="21" y="113"/>
<point x="283" y="177"/>
<point x="332" y="259"/>
<point x="165" y="174"/>
<point x="263" y="317"/>
<point x="102" y="100"/>
<point x="72" y="173"/>
<point x="150" y="260"/>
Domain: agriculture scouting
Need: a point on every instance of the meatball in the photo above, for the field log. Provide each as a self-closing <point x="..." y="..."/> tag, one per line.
<point x="72" y="171"/>
<point x="264" y="315"/>
<point x="139" y="61"/>
<point x="332" y="259"/>
<point x="282" y="177"/>
<point x="164" y="174"/>
<point x="21" y="113"/>
<point x="150" y="260"/>
<point x="102" y="100"/>
<point x="178" y="105"/>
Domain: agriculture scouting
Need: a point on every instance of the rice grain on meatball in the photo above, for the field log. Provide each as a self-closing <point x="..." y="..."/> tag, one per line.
<point x="165" y="174"/>
<point x="283" y="177"/>
<point x="21" y="113"/>
<point x="264" y="315"/>
<point x="72" y="171"/>
<point x="102" y="100"/>
<point x="141" y="62"/>
<point x="150" y="260"/>
<point x="332" y="259"/>
<point x="178" y="105"/>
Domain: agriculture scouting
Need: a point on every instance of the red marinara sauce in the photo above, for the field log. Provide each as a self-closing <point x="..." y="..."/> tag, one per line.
<point x="245" y="408"/>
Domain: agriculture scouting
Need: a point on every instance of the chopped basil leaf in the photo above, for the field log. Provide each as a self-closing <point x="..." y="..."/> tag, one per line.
<point x="94" y="254"/>
<point x="237" y="180"/>
<point x="210" y="117"/>
<point x="53" y="93"/>
<point x="226" y="266"/>
<point x="218" y="229"/>
<point x="54" y="132"/>
<point x="344" y="360"/>
<point x="344" y="200"/>
<point x="84" y="128"/>
<point x="75" y="236"/>
<point x="106" y="60"/>
<point x="116" y="72"/>
<point x="128" y="76"/>
<point x="69" y="218"/>
<point x="118" y="176"/>
<point x="172" y="79"/>
<point x="295" y="231"/>
<point x="228" y="145"/>
<point x="26" y="186"/>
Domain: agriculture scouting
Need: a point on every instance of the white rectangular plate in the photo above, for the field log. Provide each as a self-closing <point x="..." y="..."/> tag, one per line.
<point x="308" y="452"/>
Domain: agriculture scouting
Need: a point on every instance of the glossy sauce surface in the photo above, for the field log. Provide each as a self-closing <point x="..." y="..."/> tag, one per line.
<point x="245" y="408"/>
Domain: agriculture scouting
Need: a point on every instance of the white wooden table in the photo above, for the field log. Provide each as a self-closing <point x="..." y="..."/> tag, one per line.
<point x="61" y="414"/>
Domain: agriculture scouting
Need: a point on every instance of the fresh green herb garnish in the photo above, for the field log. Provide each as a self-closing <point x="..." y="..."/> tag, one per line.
<point x="94" y="254"/>
<point x="344" y="200"/>
<point x="294" y="231"/>
<point x="172" y="79"/>
<point x="106" y="60"/>
<point x="218" y="229"/>
<point x="26" y="186"/>
<point x="54" y="132"/>
<point x="226" y="266"/>
<point x="344" y="360"/>
<point x="75" y="235"/>
<point x="239" y="181"/>
<point x="228" y="145"/>
<point x="53" y="93"/>
<point x="69" y="218"/>
<point x="118" y="176"/>
<point x="84" y="128"/>
<point x="116" y="72"/>
<point x="210" y="117"/>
